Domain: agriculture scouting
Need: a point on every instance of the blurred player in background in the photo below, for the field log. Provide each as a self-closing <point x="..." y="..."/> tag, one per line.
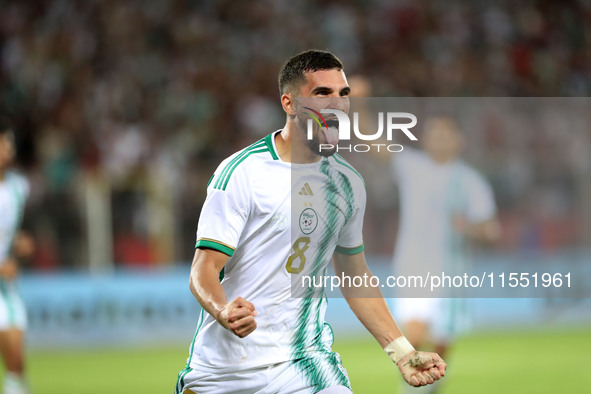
<point x="254" y="335"/>
<point x="14" y="190"/>
<point x="443" y="203"/>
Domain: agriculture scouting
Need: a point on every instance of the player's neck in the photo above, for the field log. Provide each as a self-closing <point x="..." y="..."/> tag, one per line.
<point x="293" y="150"/>
<point x="283" y="145"/>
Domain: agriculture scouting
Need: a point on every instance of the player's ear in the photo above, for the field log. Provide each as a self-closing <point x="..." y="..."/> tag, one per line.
<point x="288" y="104"/>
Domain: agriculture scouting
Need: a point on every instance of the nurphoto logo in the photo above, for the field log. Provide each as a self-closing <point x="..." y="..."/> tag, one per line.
<point x="395" y="122"/>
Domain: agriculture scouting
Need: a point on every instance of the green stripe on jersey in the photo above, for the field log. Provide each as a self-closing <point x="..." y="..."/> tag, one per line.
<point x="229" y="168"/>
<point x="318" y="365"/>
<point x="252" y="152"/>
<point x="344" y="250"/>
<point x="215" y="245"/>
<point x="180" y="382"/>
<point x="269" y="141"/>
<point x="210" y="179"/>
<point x="339" y="159"/>
<point x="201" y="317"/>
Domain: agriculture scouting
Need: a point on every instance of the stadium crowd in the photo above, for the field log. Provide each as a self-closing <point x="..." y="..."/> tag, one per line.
<point x="149" y="96"/>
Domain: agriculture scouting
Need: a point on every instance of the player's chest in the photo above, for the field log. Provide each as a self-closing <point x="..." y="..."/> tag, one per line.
<point x="302" y="205"/>
<point x="318" y="206"/>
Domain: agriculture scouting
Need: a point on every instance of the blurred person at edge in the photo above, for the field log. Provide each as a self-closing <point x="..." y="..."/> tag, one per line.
<point x="14" y="245"/>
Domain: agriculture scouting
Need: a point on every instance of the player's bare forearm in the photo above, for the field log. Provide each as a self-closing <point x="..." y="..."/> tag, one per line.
<point x="488" y="231"/>
<point x="417" y="368"/>
<point x="236" y="315"/>
<point x="374" y="314"/>
<point x="368" y="304"/>
<point x="204" y="282"/>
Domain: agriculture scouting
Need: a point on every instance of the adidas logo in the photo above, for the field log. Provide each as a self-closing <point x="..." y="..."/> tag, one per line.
<point x="306" y="190"/>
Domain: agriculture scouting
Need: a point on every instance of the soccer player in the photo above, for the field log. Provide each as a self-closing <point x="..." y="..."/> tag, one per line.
<point x="13" y="193"/>
<point x="258" y="332"/>
<point x="443" y="203"/>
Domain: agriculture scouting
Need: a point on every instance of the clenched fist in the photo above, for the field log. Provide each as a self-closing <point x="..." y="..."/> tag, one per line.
<point x="238" y="317"/>
<point x="421" y="368"/>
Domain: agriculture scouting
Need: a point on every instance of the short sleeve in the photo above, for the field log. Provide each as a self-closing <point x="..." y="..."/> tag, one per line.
<point x="351" y="236"/>
<point x="481" y="204"/>
<point x="225" y="211"/>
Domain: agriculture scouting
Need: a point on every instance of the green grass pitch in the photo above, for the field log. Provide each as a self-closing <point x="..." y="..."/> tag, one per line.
<point x="511" y="362"/>
<point x="518" y="362"/>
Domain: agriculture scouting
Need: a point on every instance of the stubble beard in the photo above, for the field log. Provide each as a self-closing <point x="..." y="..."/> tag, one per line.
<point x="314" y="144"/>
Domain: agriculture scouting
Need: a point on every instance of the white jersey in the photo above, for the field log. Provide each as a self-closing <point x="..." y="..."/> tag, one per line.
<point x="277" y="221"/>
<point x="431" y="194"/>
<point x="14" y="190"/>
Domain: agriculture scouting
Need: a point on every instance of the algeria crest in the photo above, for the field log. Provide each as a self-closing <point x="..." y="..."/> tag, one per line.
<point x="308" y="220"/>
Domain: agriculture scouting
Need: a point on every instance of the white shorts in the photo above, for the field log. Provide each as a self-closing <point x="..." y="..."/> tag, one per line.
<point x="12" y="308"/>
<point x="445" y="317"/>
<point x="313" y="374"/>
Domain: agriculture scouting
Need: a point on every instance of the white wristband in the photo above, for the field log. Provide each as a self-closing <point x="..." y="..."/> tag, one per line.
<point x="398" y="348"/>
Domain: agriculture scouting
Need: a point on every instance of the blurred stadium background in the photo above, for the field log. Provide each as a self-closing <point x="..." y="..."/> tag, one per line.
<point x="124" y="109"/>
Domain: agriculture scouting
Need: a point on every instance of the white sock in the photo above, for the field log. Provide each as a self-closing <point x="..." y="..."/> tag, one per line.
<point x="14" y="384"/>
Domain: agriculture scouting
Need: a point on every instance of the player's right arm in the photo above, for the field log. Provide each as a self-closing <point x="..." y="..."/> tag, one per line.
<point x="237" y="315"/>
<point x="223" y="217"/>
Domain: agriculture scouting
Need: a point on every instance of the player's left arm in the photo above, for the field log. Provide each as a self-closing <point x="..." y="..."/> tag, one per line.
<point x="22" y="250"/>
<point x="368" y="304"/>
<point x="479" y="219"/>
<point x="488" y="231"/>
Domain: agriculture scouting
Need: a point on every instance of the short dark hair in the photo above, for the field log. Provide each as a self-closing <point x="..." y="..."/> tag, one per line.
<point x="292" y="72"/>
